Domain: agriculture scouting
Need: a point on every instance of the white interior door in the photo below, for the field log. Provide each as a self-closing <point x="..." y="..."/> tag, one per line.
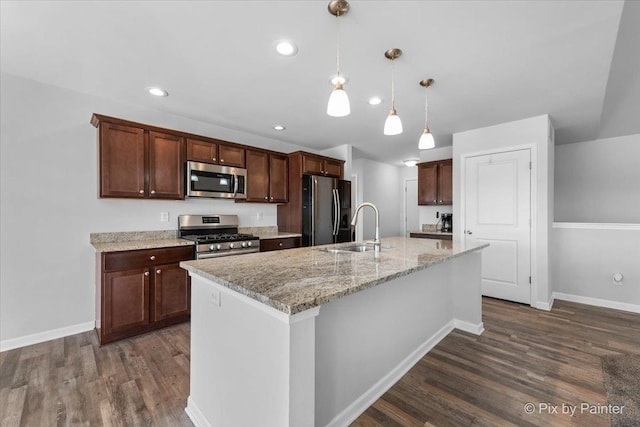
<point x="411" y="214"/>
<point x="498" y="211"/>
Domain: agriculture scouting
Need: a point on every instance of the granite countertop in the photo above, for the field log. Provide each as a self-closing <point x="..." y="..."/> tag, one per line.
<point x="436" y="232"/>
<point x="132" y="240"/>
<point x="303" y="278"/>
<point x="278" y="235"/>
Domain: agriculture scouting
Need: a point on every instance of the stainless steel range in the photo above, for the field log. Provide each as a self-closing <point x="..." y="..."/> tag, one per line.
<point x="216" y="235"/>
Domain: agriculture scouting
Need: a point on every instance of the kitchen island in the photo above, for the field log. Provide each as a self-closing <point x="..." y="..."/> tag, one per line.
<point x="313" y="336"/>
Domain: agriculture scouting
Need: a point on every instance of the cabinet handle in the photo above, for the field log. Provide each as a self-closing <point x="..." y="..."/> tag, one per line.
<point x="152" y="257"/>
<point x="146" y="273"/>
<point x="141" y="191"/>
<point x="158" y="271"/>
<point x="153" y="191"/>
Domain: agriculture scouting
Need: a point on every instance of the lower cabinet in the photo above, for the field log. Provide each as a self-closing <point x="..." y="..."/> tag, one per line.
<point x="141" y="290"/>
<point x="277" y="244"/>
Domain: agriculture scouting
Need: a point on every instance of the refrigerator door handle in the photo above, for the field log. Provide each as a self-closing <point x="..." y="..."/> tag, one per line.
<point x="336" y="221"/>
<point x="314" y="206"/>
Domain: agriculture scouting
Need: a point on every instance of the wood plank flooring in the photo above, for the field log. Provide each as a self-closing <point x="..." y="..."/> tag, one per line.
<point x="525" y="355"/>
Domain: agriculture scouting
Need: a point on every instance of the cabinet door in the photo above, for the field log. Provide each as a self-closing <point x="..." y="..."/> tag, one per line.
<point x="231" y="156"/>
<point x="257" y="176"/>
<point x="171" y="291"/>
<point x="445" y="182"/>
<point x="312" y="165"/>
<point x="278" y="178"/>
<point x="202" y="151"/>
<point x="428" y="183"/>
<point x="166" y="166"/>
<point x="125" y="300"/>
<point x="122" y="161"/>
<point x="333" y="168"/>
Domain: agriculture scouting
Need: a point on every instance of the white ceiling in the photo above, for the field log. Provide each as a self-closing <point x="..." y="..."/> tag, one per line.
<point x="492" y="61"/>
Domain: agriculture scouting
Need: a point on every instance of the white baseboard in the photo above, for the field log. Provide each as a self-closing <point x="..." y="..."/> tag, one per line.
<point x="476" y="329"/>
<point x="195" y="414"/>
<point x="634" y="308"/>
<point x="546" y="306"/>
<point x="367" y="399"/>
<point x="23" y="341"/>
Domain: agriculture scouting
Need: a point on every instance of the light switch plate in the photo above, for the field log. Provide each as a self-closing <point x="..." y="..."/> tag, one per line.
<point x="164" y="216"/>
<point x="214" y="297"/>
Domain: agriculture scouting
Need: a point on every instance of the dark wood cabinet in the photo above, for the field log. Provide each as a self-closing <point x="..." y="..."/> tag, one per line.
<point x="267" y="177"/>
<point x="231" y="155"/>
<point x="435" y="183"/>
<point x="141" y="290"/>
<point x="279" y="243"/>
<point x="318" y="165"/>
<point x="138" y="163"/>
<point x="202" y="151"/>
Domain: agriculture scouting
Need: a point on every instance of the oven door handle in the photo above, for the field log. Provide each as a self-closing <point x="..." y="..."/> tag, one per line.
<point x="235" y="185"/>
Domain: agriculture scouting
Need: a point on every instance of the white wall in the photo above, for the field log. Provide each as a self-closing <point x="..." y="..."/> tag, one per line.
<point x="585" y="257"/>
<point x="49" y="202"/>
<point x="535" y="131"/>
<point x="378" y="183"/>
<point x="598" y="181"/>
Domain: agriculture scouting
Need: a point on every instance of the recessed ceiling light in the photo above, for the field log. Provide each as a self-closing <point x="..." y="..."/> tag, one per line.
<point x="156" y="91"/>
<point x="375" y="100"/>
<point x="410" y="163"/>
<point x="341" y="79"/>
<point x="286" y="48"/>
<point x="279" y="127"/>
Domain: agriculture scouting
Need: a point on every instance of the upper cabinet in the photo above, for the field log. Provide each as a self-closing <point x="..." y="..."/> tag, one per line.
<point x="317" y="165"/>
<point x="137" y="163"/>
<point x="435" y="183"/>
<point x="267" y="177"/>
<point x="215" y="152"/>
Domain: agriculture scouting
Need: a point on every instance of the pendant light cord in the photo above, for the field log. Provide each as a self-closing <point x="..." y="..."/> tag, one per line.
<point x="338" y="43"/>
<point x="426" y="104"/>
<point x="393" y="102"/>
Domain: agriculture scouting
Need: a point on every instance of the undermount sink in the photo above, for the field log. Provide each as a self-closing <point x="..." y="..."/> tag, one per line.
<point x="352" y="248"/>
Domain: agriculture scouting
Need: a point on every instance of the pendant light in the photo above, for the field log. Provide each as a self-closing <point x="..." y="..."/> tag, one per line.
<point x="426" y="139"/>
<point x="392" y="125"/>
<point x="338" y="105"/>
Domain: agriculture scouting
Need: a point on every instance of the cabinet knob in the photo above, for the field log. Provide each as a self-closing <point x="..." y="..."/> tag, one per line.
<point x="221" y="160"/>
<point x="265" y="197"/>
<point x="440" y="201"/>
<point x="153" y="191"/>
<point x="152" y="257"/>
<point x="158" y="271"/>
<point x="146" y="273"/>
<point x="435" y="201"/>
<point x="280" y="244"/>
<point x="271" y="197"/>
<point x="141" y="191"/>
<point x="214" y="159"/>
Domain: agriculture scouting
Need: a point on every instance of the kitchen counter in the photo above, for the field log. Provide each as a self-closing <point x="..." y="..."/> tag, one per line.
<point x="302" y="278"/>
<point x="276" y="235"/>
<point x="133" y="240"/>
<point x="306" y="337"/>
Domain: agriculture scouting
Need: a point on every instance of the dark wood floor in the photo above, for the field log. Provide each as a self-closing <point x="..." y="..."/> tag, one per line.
<point x="525" y="355"/>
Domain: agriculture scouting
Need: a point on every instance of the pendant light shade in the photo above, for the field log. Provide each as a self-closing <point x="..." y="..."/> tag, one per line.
<point x="393" y="124"/>
<point x="338" y="105"/>
<point x="426" y="139"/>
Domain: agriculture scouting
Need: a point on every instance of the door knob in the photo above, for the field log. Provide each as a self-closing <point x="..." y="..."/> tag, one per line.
<point x="469" y="232"/>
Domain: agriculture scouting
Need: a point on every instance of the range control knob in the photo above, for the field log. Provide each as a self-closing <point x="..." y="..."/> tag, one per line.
<point x="230" y="245"/>
<point x="212" y="247"/>
<point x="243" y="244"/>
<point x="218" y="247"/>
<point x="248" y="243"/>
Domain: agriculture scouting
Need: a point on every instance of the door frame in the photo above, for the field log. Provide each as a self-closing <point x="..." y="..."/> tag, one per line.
<point x="533" y="205"/>
<point x="404" y="207"/>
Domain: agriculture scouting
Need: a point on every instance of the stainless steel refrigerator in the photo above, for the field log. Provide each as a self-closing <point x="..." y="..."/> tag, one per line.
<point x="326" y="210"/>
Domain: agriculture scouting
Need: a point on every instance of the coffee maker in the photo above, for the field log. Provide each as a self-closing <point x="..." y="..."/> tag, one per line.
<point x="447" y="222"/>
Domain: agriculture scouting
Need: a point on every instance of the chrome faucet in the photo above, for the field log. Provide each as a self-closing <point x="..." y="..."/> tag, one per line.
<point x="376" y="241"/>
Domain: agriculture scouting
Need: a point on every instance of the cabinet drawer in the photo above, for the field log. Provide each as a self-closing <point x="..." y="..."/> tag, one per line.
<point x="114" y="261"/>
<point x="276" y="244"/>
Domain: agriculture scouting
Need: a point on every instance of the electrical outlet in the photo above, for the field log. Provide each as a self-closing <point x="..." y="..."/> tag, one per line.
<point x="260" y="216"/>
<point x="437" y="214"/>
<point x="164" y="216"/>
<point x="214" y="297"/>
<point x="618" y="279"/>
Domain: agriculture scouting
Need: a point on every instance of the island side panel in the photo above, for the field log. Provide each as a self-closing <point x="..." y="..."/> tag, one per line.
<point x="366" y="341"/>
<point x="466" y="292"/>
<point x="250" y="364"/>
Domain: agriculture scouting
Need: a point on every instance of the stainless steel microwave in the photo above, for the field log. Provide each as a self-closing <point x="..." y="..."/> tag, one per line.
<point x="206" y="180"/>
